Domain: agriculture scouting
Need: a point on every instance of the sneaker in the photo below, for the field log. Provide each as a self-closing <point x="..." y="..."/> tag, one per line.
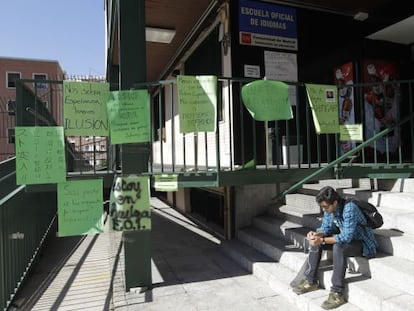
<point x="334" y="301"/>
<point x="304" y="287"/>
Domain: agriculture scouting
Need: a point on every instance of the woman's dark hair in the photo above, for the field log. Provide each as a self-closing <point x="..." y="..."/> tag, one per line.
<point x="328" y="194"/>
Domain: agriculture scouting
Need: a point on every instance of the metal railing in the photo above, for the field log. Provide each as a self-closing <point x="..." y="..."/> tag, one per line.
<point x="85" y="154"/>
<point x="240" y="140"/>
<point x="337" y="162"/>
<point x="26" y="214"/>
<point x="25" y="218"/>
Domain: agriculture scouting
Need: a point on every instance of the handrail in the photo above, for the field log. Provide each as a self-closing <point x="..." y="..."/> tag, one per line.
<point x="39" y="116"/>
<point x="341" y="158"/>
<point x="226" y="150"/>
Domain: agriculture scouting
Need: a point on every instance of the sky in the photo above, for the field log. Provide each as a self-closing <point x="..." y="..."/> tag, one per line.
<point x="71" y="32"/>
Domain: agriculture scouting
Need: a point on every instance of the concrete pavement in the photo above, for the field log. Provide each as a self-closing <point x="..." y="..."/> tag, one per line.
<point x="189" y="272"/>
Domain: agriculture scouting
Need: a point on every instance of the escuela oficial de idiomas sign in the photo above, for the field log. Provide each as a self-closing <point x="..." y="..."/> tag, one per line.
<point x="267" y="25"/>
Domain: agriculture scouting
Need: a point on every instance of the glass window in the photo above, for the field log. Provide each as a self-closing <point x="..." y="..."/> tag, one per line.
<point x="10" y="136"/>
<point x="11" y="79"/>
<point x="40" y="85"/>
<point x="11" y="107"/>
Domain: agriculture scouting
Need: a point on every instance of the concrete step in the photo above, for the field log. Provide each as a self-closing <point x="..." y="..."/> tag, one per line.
<point x="278" y="277"/>
<point x="382" y="283"/>
<point x="361" y="193"/>
<point x="278" y="227"/>
<point x="304" y="201"/>
<point x="290" y="231"/>
<point x="390" y="200"/>
<point x="394" y="271"/>
<point x="400" y="201"/>
<point x="395" y="242"/>
<point x="397" y="185"/>
<point x="373" y="295"/>
<point x="401" y="220"/>
<point x="290" y="254"/>
<point x="391" y="241"/>
<point x="275" y="248"/>
<point x="338" y="183"/>
<point x="361" y="183"/>
<point x="297" y="214"/>
<point x="293" y="256"/>
<point x="360" y="188"/>
<point x="359" y="285"/>
<point x="396" y="208"/>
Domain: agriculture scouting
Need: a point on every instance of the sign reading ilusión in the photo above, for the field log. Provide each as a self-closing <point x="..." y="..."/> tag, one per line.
<point x="85" y="108"/>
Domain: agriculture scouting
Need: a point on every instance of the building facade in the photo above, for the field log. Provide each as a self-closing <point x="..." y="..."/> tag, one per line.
<point x="13" y="69"/>
<point x="242" y="41"/>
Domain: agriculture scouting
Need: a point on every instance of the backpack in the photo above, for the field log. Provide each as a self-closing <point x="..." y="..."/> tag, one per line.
<point x="371" y="213"/>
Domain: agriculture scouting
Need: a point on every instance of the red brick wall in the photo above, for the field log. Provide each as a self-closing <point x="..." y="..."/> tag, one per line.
<point x="27" y="67"/>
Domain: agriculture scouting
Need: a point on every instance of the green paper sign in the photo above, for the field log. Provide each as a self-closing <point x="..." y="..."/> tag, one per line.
<point x="40" y="155"/>
<point x="323" y="100"/>
<point x="80" y="207"/>
<point x="267" y="100"/>
<point x="166" y="182"/>
<point x="350" y="132"/>
<point x="129" y="206"/>
<point x="197" y="103"/>
<point x="129" y="116"/>
<point x="84" y="107"/>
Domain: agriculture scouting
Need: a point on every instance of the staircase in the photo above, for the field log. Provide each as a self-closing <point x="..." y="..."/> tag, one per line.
<point x="274" y="248"/>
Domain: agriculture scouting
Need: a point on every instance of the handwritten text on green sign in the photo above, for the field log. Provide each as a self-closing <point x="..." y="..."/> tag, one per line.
<point x="129" y="204"/>
<point x="129" y="116"/>
<point x="323" y="100"/>
<point x="80" y="207"/>
<point x="85" y="108"/>
<point x="197" y="103"/>
<point x="40" y="155"/>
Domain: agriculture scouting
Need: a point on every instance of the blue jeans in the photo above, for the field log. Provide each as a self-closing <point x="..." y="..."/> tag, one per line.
<point x="341" y="252"/>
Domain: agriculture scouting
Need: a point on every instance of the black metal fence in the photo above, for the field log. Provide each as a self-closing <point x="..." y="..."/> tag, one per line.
<point x="241" y="142"/>
<point x="25" y="219"/>
<point x="7" y="121"/>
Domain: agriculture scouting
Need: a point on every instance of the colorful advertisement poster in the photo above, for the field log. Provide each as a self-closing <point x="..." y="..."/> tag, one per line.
<point x="267" y="100"/>
<point x="323" y="100"/>
<point x="84" y="108"/>
<point x="381" y="105"/>
<point x="129" y="206"/>
<point x="40" y="155"/>
<point x="197" y="108"/>
<point x="344" y="78"/>
<point x="267" y="25"/>
<point x="129" y="116"/>
<point x="80" y="207"/>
